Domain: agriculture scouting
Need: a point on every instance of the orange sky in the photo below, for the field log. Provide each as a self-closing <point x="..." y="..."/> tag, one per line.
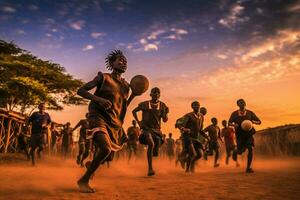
<point x="266" y="75"/>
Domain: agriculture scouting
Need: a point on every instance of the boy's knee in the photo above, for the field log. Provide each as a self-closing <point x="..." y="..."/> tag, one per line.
<point x="106" y="150"/>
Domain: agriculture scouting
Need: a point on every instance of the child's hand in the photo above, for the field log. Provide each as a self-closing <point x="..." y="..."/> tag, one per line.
<point x="106" y="104"/>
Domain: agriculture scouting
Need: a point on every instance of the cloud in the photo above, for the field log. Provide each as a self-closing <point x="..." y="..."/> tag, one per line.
<point x="33" y="7"/>
<point x="153" y="35"/>
<point x="78" y="25"/>
<point x="150" y="47"/>
<point x="151" y="41"/>
<point x="143" y="41"/>
<point x="274" y="59"/>
<point x="8" y="9"/>
<point x="97" y="35"/>
<point x="294" y="8"/>
<point x="176" y="34"/>
<point x="88" y="47"/>
<point x="234" y="16"/>
<point x="222" y="56"/>
<point x="273" y="44"/>
<point x="180" y="31"/>
<point x="20" y="32"/>
<point x="171" y="37"/>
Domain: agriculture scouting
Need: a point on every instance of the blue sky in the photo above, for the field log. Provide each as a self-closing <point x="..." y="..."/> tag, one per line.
<point x="178" y="44"/>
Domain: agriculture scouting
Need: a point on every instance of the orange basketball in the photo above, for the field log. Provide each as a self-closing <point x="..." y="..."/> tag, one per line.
<point x="139" y="84"/>
<point x="247" y="125"/>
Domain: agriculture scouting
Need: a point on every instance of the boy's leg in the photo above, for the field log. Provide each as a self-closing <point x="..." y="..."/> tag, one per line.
<point x="80" y="152"/>
<point x="150" y="144"/>
<point x="33" y="145"/>
<point x="87" y="150"/>
<point x="249" y="160"/>
<point x="103" y="143"/>
<point x="192" y="155"/>
<point x="197" y="157"/>
<point x="32" y="154"/>
<point x="228" y="154"/>
<point x="216" y="149"/>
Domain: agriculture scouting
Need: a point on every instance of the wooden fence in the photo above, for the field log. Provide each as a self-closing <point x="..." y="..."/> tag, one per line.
<point x="10" y="126"/>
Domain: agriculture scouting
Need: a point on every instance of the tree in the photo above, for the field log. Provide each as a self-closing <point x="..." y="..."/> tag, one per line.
<point x="26" y="80"/>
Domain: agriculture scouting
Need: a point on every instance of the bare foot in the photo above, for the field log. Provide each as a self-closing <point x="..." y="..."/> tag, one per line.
<point x="84" y="187"/>
<point x="216" y="165"/>
<point x="249" y="170"/>
<point x="151" y="173"/>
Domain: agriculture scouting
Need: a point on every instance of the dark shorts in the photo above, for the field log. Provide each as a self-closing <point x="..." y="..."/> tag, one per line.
<point x="156" y="137"/>
<point x="188" y="141"/>
<point x="132" y="146"/>
<point x="229" y="149"/>
<point x="244" y="142"/>
<point x="213" y="145"/>
<point x="37" y="141"/>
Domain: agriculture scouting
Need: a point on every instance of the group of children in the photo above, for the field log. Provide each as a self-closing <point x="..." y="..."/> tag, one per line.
<point x="107" y="110"/>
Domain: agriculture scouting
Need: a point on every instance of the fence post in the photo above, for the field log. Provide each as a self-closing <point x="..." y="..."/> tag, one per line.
<point x="7" y="135"/>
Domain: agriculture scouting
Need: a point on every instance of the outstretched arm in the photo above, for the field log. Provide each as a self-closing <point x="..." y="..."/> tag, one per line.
<point x="219" y="135"/>
<point x="255" y="119"/>
<point x="77" y="125"/>
<point x="132" y="96"/>
<point x="134" y="113"/>
<point x="165" y="114"/>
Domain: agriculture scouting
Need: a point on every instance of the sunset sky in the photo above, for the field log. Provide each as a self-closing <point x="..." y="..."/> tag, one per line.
<point x="211" y="51"/>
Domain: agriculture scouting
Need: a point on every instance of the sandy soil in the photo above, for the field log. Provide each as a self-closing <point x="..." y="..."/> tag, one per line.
<point x="56" y="179"/>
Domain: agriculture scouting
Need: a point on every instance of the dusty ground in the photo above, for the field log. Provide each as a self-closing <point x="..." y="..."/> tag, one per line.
<point x="56" y="179"/>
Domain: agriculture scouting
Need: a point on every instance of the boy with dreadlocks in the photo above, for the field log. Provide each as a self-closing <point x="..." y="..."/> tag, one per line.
<point x="107" y="110"/>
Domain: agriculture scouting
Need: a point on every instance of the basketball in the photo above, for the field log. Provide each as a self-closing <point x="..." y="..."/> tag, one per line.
<point x="139" y="84"/>
<point x="246" y="125"/>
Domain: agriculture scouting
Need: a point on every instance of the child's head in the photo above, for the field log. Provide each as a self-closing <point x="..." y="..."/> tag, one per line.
<point x="116" y="61"/>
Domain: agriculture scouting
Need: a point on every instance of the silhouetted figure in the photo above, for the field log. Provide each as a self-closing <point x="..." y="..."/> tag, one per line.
<point x="178" y="151"/>
<point x="228" y="133"/>
<point x="133" y="133"/>
<point x="39" y="126"/>
<point x="83" y="142"/>
<point x="107" y="110"/>
<point x="170" y="143"/>
<point x="54" y="138"/>
<point x="67" y="140"/>
<point x="153" y="112"/>
<point x="244" y="138"/>
<point x="191" y="126"/>
<point x="214" y="134"/>
<point x="23" y="140"/>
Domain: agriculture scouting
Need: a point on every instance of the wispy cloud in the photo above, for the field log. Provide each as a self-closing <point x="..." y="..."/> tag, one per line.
<point x="88" y="47"/>
<point x="9" y="9"/>
<point x="153" y="35"/>
<point x="154" y="39"/>
<point x="97" y="35"/>
<point x="20" y="32"/>
<point x="77" y="25"/>
<point x="234" y="16"/>
<point x="33" y="7"/>
<point x="271" y="60"/>
<point x="150" y="47"/>
<point x="222" y="56"/>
